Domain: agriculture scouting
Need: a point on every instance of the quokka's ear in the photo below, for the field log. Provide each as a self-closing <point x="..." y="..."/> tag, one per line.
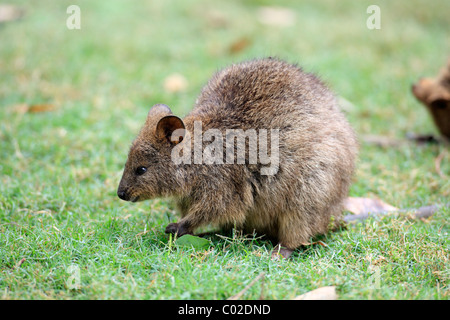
<point x="423" y="88"/>
<point x="171" y="128"/>
<point x="159" y="109"/>
<point x="439" y="98"/>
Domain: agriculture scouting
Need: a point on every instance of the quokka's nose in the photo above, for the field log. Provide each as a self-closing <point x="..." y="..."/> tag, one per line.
<point x="122" y="195"/>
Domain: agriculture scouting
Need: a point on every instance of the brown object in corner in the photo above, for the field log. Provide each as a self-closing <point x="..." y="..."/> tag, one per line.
<point x="434" y="93"/>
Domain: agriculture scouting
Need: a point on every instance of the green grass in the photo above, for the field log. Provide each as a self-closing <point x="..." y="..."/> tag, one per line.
<point x="60" y="169"/>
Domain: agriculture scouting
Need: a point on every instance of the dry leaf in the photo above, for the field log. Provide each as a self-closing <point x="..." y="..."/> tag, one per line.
<point x="34" y="108"/>
<point x="37" y="108"/>
<point x="239" y="45"/>
<point x="323" y="293"/>
<point x="366" y="205"/>
<point x="175" y="83"/>
<point x="276" y="16"/>
<point x="10" y="13"/>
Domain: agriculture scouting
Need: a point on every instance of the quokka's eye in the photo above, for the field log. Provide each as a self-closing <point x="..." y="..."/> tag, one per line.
<point x="141" y="170"/>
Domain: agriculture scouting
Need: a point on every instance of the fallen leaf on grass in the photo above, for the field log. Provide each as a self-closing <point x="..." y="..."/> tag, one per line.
<point x="323" y="293"/>
<point x="193" y="241"/>
<point x="175" y="83"/>
<point x="10" y="13"/>
<point x="37" y="108"/>
<point x="33" y="108"/>
<point x="358" y="205"/>
<point x="276" y="16"/>
<point x="239" y="45"/>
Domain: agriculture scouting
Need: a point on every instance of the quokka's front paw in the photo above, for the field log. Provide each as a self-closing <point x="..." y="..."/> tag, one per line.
<point x="177" y="228"/>
<point x="172" y="228"/>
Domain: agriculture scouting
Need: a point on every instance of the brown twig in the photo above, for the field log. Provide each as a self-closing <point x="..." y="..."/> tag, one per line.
<point x="17" y="266"/>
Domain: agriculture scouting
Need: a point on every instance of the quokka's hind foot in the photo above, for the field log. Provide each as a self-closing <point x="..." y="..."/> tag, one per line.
<point x="280" y="252"/>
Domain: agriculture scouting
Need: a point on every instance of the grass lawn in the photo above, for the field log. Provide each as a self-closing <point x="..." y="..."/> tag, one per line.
<point x="60" y="217"/>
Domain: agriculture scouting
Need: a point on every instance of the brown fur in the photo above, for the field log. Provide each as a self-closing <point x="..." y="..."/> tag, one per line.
<point x="317" y="151"/>
<point x="435" y="95"/>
